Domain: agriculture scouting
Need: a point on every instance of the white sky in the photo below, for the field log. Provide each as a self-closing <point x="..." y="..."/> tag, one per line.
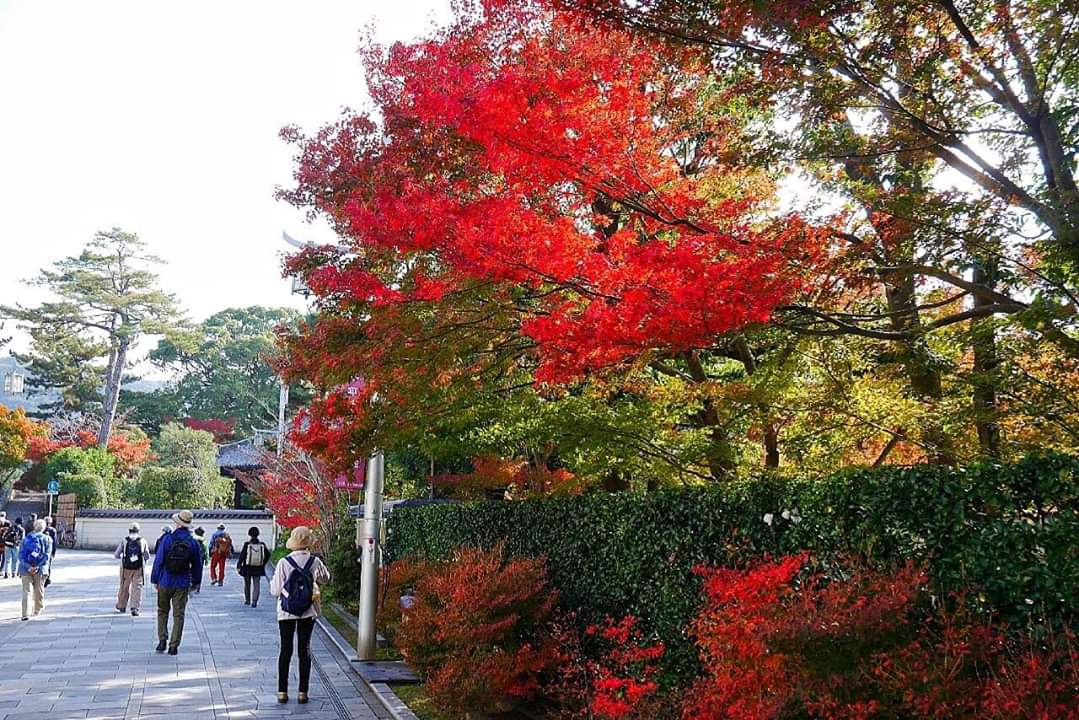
<point x="162" y="118"/>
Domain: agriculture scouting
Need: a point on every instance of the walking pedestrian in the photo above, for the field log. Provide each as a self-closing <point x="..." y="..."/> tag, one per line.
<point x="252" y="566"/>
<point x="220" y="551"/>
<point x="166" y="530"/>
<point x="296" y="581"/>
<point x="200" y="538"/>
<point x="34" y="556"/>
<point x="5" y="533"/>
<point x="50" y="530"/>
<point x="132" y="552"/>
<point x="177" y="569"/>
<point x="12" y="543"/>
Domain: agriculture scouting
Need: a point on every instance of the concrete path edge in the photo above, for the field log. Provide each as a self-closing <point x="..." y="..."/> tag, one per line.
<point x="394" y="705"/>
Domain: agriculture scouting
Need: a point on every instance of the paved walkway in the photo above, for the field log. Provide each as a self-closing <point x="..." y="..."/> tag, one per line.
<point x="82" y="659"/>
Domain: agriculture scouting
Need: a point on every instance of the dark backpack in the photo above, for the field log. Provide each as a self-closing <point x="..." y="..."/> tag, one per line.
<point x="133" y="554"/>
<point x="178" y="559"/>
<point x="299" y="592"/>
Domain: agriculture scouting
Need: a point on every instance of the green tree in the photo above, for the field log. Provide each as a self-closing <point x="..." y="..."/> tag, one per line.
<point x="224" y="369"/>
<point x="106" y="298"/>
<point x="87" y="472"/>
<point x="184" y="473"/>
<point x="66" y="362"/>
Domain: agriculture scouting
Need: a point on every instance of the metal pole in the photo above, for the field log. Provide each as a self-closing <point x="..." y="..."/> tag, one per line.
<point x="366" y="640"/>
<point x="282" y="403"/>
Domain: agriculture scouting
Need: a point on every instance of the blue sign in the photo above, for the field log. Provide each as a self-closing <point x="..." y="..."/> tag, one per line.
<point x="53" y="487"/>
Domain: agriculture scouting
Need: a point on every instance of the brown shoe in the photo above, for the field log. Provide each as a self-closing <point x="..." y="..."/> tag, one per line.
<point x="282" y="698"/>
<point x="302" y="698"/>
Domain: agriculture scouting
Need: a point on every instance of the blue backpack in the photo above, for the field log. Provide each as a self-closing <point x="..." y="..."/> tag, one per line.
<point x="37" y="553"/>
<point x="299" y="592"/>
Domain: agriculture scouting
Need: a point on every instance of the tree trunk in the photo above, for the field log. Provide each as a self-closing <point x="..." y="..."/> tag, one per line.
<point x="985" y="365"/>
<point x="924" y="378"/>
<point x="720" y="453"/>
<point x="768" y="426"/>
<point x="114" y="378"/>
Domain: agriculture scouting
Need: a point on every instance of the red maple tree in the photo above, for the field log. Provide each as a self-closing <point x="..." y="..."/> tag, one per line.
<point x="566" y="169"/>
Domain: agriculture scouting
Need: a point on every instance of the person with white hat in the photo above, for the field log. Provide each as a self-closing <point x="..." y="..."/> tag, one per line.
<point x="34" y="556"/>
<point x="296" y="581"/>
<point x="177" y="569"/>
<point x="132" y="552"/>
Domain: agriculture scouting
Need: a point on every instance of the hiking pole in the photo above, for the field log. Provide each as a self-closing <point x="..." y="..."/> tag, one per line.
<point x="366" y="640"/>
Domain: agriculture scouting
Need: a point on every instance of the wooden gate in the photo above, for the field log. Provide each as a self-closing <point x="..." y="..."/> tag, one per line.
<point x="66" y="505"/>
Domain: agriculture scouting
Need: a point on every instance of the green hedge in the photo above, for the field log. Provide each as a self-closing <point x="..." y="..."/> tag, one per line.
<point x="1009" y="533"/>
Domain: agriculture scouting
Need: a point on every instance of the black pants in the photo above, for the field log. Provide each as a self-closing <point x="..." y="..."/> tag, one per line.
<point x="252" y="589"/>
<point x="289" y="628"/>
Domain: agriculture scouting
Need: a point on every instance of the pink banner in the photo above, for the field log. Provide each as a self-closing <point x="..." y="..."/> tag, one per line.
<point x="353" y="481"/>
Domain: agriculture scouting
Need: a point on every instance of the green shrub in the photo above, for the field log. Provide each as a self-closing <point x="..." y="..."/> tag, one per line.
<point x="1009" y="533"/>
<point x="184" y="472"/>
<point x="92" y="491"/>
<point x="342" y="558"/>
<point x="87" y="472"/>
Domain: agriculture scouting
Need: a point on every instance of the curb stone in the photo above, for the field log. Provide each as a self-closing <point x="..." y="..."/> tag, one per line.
<point x="393" y="704"/>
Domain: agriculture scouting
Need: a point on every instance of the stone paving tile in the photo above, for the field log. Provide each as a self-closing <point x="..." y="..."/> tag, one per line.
<point x="91" y="663"/>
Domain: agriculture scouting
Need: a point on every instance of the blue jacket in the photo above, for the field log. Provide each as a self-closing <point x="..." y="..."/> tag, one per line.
<point x="29" y="544"/>
<point x="160" y="575"/>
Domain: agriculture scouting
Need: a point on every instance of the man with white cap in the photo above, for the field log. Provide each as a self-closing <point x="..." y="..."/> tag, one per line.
<point x="177" y="569"/>
<point x="132" y="552"/>
<point x="35" y="552"/>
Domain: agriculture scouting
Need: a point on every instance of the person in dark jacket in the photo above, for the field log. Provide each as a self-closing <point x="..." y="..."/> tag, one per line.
<point x="252" y="566"/>
<point x="12" y="542"/>
<point x="200" y="538"/>
<point x="165" y="532"/>
<point x="177" y="570"/>
<point x="5" y="533"/>
<point x="50" y="530"/>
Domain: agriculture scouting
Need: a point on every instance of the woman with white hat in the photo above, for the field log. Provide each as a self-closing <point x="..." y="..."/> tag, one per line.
<point x="296" y="581"/>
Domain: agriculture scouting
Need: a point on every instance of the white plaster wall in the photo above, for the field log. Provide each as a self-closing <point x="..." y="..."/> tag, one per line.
<point x="105" y="533"/>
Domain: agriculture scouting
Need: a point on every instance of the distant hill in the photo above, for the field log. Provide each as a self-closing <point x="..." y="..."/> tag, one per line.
<point x="145" y="386"/>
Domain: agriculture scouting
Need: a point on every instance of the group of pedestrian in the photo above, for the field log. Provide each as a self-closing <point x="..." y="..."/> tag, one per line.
<point x="28" y="554"/>
<point x="179" y="558"/>
<point x="11" y="537"/>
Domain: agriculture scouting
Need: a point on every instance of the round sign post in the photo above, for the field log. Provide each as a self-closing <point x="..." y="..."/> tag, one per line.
<point x="53" y="488"/>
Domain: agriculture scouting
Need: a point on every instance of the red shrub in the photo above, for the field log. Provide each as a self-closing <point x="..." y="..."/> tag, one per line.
<point x="608" y="674"/>
<point x="474" y="632"/>
<point x="776" y="646"/>
<point x="400" y="576"/>
<point x="223" y="430"/>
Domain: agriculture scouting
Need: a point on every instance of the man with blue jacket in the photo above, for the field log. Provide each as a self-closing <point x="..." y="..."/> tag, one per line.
<point x="35" y="552"/>
<point x="177" y="571"/>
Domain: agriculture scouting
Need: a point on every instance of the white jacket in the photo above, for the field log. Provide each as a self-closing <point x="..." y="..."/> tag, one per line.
<point x="281" y="575"/>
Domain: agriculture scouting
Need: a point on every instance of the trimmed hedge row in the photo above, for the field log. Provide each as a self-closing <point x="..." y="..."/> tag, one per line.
<point x="1008" y="533"/>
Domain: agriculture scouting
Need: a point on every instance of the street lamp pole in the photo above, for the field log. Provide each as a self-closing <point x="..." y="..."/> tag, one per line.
<point x="282" y="404"/>
<point x="366" y="639"/>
